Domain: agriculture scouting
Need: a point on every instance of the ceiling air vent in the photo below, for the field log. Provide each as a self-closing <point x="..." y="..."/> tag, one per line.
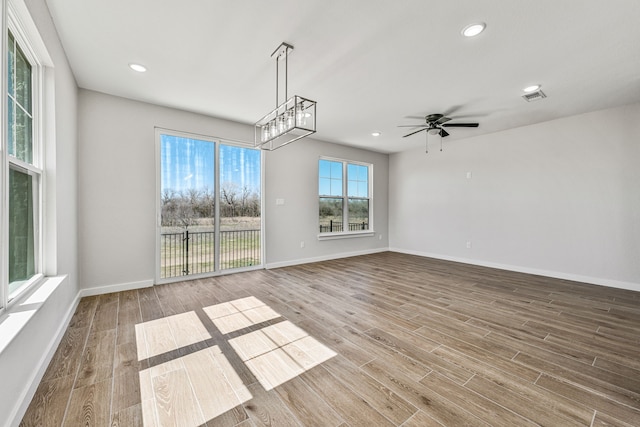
<point x="534" y="96"/>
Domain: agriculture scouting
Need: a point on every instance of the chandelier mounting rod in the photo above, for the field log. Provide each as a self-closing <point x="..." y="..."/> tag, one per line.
<point x="292" y="119"/>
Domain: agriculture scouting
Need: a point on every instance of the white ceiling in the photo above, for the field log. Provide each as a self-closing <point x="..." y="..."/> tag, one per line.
<point x="370" y="64"/>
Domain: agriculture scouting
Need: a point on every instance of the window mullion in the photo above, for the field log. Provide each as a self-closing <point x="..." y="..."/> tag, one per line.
<point x="17" y="104"/>
<point x="345" y="198"/>
<point x="216" y="207"/>
<point x="24" y="166"/>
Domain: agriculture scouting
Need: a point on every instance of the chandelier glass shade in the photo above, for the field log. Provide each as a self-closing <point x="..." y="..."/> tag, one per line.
<point x="291" y="120"/>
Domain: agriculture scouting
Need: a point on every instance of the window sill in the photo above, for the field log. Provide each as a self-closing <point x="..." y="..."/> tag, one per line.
<point x="20" y="311"/>
<point x="24" y="287"/>
<point x="347" y="235"/>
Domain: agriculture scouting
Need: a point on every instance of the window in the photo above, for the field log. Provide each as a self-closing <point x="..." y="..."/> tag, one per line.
<point x="344" y="196"/>
<point x="21" y="169"/>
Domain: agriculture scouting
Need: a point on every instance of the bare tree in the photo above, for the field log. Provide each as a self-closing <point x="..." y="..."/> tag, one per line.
<point x="229" y="195"/>
<point x="169" y="207"/>
<point x="178" y="209"/>
<point x="191" y="206"/>
<point x="245" y="193"/>
<point x="206" y="204"/>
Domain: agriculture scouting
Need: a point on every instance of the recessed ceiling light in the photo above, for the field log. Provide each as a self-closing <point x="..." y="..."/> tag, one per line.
<point x="375" y="133"/>
<point x="473" y="30"/>
<point x="531" y="88"/>
<point x="137" y="67"/>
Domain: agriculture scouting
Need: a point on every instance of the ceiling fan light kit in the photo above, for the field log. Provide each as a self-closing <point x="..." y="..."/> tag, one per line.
<point x="290" y="121"/>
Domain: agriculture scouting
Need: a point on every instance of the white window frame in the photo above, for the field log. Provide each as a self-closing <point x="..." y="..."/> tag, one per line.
<point x="16" y="19"/>
<point x="345" y="200"/>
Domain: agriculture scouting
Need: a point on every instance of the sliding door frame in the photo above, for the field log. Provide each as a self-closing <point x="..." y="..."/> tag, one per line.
<point x="159" y="131"/>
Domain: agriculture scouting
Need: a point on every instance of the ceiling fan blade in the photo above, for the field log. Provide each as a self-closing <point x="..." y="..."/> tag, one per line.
<point x="452" y="110"/>
<point x="460" y="125"/>
<point x="443" y="133"/>
<point x="412" y="133"/>
<point x="412" y="126"/>
<point x="442" y="120"/>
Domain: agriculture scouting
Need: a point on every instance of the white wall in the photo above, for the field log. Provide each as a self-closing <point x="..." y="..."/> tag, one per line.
<point x="117" y="189"/>
<point x="22" y="362"/>
<point x="117" y="185"/>
<point x="559" y="198"/>
<point x="292" y="175"/>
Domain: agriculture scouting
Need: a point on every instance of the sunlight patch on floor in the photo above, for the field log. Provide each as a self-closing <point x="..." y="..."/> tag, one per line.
<point x="239" y="314"/>
<point x="280" y="352"/>
<point x="191" y="389"/>
<point x="170" y="333"/>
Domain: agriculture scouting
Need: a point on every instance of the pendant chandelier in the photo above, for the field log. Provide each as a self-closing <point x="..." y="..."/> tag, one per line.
<point x="290" y="121"/>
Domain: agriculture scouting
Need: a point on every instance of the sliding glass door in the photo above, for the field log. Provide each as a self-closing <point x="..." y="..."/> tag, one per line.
<point x="209" y="207"/>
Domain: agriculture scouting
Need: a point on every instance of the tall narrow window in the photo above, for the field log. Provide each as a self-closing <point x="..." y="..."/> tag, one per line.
<point x="344" y="196"/>
<point x="24" y="171"/>
<point x="358" y="196"/>
<point x="331" y="196"/>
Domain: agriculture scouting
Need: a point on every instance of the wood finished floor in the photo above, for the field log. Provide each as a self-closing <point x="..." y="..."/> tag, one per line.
<point x="375" y="340"/>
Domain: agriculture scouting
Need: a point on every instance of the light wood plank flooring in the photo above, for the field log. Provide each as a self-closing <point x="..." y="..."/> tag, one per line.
<point x="376" y="340"/>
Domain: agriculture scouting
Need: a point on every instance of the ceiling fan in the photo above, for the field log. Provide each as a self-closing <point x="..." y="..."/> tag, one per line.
<point x="434" y="124"/>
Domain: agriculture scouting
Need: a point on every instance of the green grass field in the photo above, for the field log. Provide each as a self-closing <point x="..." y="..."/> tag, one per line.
<point x="239" y="247"/>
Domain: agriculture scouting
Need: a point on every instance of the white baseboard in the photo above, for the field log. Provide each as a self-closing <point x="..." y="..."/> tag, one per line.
<point x="100" y="290"/>
<point x="547" y="273"/>
<point x="40" y="370"/>
<point x="271" y="265"/>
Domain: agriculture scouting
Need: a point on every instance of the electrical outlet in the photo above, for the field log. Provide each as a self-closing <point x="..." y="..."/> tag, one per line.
<point x="380" y="237"/>
<point x="302" y="244"/>
<point x="468" y="244"/>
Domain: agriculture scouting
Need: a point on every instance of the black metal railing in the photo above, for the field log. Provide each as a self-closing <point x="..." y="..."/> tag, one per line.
<point x="171" y="254"/>
<point x="239" y="248"/>
<point x="336" y="226"/>
<point x="193" y="252"/>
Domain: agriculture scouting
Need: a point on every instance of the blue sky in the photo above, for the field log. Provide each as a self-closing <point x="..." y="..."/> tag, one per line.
<point x="330" y="179"/>
<point x="188" y="163"/>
